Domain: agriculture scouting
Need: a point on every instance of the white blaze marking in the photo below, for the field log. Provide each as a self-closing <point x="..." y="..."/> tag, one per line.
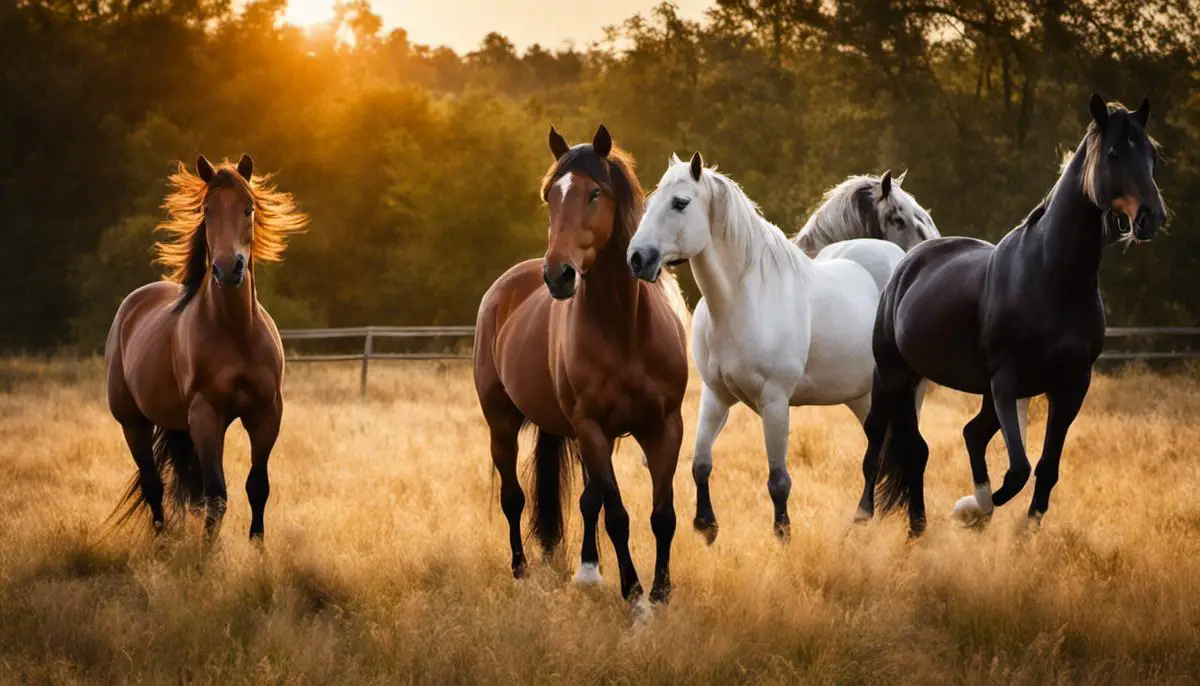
<point x="564" y="183"/>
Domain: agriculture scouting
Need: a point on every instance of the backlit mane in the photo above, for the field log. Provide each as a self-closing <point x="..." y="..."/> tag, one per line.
<point x="616" y="174"/>
<point x="847" y="211"/>
<point x="184" y="251"/>
<point x="738" y="219"/>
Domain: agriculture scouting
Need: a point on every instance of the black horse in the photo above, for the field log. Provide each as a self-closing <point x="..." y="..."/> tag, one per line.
<point x="1008" y="321"/>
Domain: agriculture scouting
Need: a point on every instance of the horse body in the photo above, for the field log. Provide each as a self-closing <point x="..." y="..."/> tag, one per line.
<point x="775" y="328"/>
<point x="1021" y="318"/>
<point x="577" y="347"/>
<point x="186" y="358"/>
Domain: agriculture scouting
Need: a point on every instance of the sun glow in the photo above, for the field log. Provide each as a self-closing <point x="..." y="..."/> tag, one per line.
<point x="308" y="13"/>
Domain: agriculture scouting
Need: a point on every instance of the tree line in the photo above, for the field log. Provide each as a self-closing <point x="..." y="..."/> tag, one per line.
<point x="420" y="166"/>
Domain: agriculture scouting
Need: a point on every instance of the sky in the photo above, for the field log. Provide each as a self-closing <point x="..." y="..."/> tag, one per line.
<point x="462" y="24"/>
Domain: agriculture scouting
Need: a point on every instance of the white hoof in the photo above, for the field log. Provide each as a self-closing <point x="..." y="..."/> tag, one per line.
<point x="967" y="507"/>
<point x="588" y="574"/>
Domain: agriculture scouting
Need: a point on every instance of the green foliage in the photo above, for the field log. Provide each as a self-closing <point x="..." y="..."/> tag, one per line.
<point x="420" y="167"/>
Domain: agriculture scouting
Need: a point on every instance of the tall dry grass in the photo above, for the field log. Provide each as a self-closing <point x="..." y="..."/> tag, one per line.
<point x="386" y="558"/>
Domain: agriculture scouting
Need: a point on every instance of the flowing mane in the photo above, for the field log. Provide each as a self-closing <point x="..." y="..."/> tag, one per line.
<point x="852" y="209"/>
<point x="184" y="251"/>
<point x="740" y="223"/>
<point x="616" y="174"/>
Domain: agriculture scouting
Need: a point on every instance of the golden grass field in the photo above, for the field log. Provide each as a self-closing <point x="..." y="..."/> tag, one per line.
<point x="386" y="556"/>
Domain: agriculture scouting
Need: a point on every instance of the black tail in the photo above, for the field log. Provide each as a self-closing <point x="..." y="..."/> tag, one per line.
<point x="900" y="460"/>
<point x="551" y="484"/>
<point x="179" y="467"/>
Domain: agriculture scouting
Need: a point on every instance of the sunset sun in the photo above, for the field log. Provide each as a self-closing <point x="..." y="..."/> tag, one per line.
<point x="308" y="12"/>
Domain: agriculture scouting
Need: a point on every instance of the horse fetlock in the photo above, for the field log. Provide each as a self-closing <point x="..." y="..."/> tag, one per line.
<point x="701" y="472"/>
<point x="660" y="592"/>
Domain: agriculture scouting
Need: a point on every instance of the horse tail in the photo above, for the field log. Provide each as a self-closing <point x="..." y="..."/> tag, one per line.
<point x="551" y="484"/>
<point x="178" y="465"/>
<point x="902" y="464"/>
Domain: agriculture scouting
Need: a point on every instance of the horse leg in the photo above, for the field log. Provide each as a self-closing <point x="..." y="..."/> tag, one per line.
<point x="662" y="450"/>
<point x="504" y="422"/>
<point x="714" y="412"/>
<point x="139" y="436"/>
<point x="207" y="429"/>
<point x="1064" y="407"/>
<point x="263" y="430"/>
<point x="779" y="484"/>
<point x="596" y="448"/>
<point x="590" y="502"/>
<point x="1004" y="396"/>
<point x="876" y="425"/>
<point x="977" y="434"/>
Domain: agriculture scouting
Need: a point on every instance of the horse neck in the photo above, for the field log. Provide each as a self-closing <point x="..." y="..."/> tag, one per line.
<point x="233" y="310"/>
<point x="609" y="292"/>
<point x="1071" y="230"/>
<point x="721" y="269"/>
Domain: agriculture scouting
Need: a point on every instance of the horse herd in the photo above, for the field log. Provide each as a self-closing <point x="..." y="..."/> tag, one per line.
<point x="588" y="344"/>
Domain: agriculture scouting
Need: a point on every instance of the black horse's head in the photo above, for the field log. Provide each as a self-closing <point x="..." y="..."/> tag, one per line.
<point x="1119" y="174"/>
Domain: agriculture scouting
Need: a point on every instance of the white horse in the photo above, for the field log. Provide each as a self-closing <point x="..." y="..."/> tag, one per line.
<point x="775" y="328"/>
<point x="867" y="206"/>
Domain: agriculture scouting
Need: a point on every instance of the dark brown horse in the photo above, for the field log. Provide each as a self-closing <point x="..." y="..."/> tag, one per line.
<point x="576" y="346"/>
<point x="188" y="356"/>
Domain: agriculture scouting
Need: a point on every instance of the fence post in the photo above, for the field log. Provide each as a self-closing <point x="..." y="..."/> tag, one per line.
<point x="362" y="381"/>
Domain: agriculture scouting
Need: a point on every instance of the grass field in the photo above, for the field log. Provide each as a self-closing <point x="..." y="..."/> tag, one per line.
<point x="386" y="555"/>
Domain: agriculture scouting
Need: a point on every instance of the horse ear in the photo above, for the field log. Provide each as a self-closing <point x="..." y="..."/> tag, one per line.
<point x="673" y="160"/>
<point x="246" y="166"/>
<point x="1142" y="113"/>
<point x="1099" y="109"/>
<point x="558" y="144"/>
<point x="205" y="169"/>
<point x="900" y="179"/>
<point x="697" y="166"/>
<point x="885" y="185"/>
<point x="602" y="142"/>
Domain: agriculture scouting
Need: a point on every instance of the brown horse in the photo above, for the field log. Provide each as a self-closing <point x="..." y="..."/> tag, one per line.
<point x="576" y="346"/>
<point x="188" y="356"/>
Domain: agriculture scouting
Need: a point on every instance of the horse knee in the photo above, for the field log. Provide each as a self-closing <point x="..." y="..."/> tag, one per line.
<point x="662" y="522"/>
<point x="779" y="484"/>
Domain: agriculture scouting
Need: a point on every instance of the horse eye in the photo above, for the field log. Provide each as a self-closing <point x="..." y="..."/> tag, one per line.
<point x="679" y="204"/>
<point x="249" y="210"/>
<point x="593" y="195"/>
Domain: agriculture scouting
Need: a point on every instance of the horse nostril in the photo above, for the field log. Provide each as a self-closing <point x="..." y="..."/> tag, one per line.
<point x="635" y="260"/>
<point x="568" y="274"/>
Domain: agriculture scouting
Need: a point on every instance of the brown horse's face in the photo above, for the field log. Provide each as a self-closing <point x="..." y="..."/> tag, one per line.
<point x="581" y="221"/>
<point x="228" y="222"/>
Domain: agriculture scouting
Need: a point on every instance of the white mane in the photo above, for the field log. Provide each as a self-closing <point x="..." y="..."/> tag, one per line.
<point x="840" y="216"/>
<point x="737" y="221"/>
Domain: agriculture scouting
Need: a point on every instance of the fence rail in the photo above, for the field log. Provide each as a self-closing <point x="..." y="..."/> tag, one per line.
<point x="370" y="333"/>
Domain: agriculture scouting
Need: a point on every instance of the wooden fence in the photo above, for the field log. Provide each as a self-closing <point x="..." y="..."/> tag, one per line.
<point x="369" y="334"/>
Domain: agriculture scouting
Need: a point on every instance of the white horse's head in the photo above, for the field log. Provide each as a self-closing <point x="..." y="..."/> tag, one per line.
<point x="901" y="219"/>
<point x="676" y="225"/>
<point x="867" y="206"/>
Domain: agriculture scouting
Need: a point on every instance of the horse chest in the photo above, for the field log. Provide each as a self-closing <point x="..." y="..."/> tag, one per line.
<point x="619" y="398"/>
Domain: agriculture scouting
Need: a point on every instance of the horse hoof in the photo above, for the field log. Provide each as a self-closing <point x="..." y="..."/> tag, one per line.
<point x="706" y="528"/>
<point x="660" y="593"/>
<point x="783" y="531"/>
<point x="969" y="513"/>
<point x="641" y="610"/>
<point x="518" y="567"/>
<point x="588" y="574"/>
<point x="861" y="516"/>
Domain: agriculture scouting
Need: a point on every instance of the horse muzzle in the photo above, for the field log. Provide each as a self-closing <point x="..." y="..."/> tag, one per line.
<point x="1146" y="223"/>
<point x="645" y="263"/>
<point x="231" y="275"/>
<point x="559" y="280"/>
